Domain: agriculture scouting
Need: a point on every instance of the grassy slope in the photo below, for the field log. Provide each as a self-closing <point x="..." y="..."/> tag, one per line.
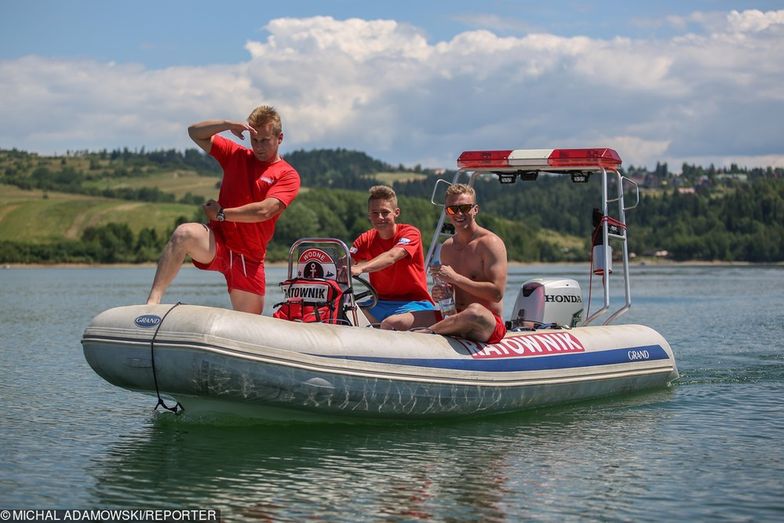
<point x="389" y="178"/>
<point x="175" y="182"/>
<point x="27" y="216"/>
<point x="564" y="241"/>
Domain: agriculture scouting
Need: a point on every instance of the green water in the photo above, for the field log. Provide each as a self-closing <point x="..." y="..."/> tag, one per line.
<point x="707" y="449"/>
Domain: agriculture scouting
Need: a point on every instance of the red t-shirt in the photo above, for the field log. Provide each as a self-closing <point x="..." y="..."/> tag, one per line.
<point x="247" y="180"/>
<point x="404" y="280"/>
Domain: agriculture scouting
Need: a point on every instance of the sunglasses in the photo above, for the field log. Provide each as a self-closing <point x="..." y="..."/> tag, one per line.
<point x="465" y="208"/>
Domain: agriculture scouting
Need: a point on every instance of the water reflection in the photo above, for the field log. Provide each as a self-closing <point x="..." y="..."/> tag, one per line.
<point x="707" y="449"/>
<point x="487" y="470"/>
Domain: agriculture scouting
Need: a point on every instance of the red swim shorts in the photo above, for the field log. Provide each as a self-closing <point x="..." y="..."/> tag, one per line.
<point x="499" y="332"/>
<point x="240" y="272"/>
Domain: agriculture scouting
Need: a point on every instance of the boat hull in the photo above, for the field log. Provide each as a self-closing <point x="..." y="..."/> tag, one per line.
<point x="216" y="361"/>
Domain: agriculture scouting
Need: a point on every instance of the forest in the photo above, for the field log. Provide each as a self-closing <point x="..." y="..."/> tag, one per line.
<point x="701" y="213"/>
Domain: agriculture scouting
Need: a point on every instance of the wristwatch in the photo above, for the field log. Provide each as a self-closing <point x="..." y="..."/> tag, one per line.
<point x="221" y="216"/>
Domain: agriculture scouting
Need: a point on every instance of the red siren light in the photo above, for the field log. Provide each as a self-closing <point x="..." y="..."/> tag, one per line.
<point x="601" y="157"/>
<point x="541" y="159"/>
<point x="484" y="159"/>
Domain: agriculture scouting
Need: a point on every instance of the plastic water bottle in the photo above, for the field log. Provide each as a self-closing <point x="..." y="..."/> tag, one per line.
<point x="443" y="292"/>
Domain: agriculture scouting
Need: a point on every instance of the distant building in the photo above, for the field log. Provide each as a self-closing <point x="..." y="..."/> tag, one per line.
<point x="741" y="177"/>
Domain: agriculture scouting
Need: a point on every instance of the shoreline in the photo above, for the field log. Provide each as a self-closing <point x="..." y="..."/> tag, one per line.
<point x="283" y="264"/>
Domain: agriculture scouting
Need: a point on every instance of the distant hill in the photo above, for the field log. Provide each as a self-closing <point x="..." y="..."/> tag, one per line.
<point x="345" y="169"/>
<point x="186" y="177"/>
<point x="53" y="205"/>
<point x="121" y="206"/>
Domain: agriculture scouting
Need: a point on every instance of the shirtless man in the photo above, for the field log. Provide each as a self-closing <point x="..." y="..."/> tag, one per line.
<point x="474" y="262"/>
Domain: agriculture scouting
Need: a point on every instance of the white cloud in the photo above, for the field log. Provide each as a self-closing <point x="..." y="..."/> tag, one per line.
<point x="52" y="106"/>
<point x="638" y="151"/>
<point x="755" y="21"/>
<point x="381" y="87"/>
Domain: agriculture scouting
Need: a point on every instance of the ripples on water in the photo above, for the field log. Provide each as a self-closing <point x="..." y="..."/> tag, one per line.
<point x="482" y="470"/>
<point x="709" y="448"/>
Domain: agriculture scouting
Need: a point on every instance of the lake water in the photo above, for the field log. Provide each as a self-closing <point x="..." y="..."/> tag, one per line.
<point x="709" y="448"/>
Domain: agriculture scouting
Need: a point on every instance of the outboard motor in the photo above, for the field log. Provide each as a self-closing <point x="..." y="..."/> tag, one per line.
<point x="547" y="303"/>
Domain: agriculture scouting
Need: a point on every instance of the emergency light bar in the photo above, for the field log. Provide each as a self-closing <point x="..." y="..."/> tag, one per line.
<point x="541" y="160"/>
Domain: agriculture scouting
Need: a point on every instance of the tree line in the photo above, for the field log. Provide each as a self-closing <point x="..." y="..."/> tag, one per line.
<point x="746" y="224"/>
<point x="29" y="172"/>
<point x="726" y="219"/>
<point x="110" y="243"/>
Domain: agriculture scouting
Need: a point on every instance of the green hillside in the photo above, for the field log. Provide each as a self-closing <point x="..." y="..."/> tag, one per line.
<point x="44" y="217"/>
<point x="122" y="205"/>
<point x="390" y="178"/>
<point x="53" y="226"/>
<point x="176" y="182"/>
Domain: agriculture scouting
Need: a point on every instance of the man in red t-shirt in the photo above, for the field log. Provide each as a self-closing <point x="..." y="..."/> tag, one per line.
<point x="257" y="186"/>
<point x="392" y="254"/>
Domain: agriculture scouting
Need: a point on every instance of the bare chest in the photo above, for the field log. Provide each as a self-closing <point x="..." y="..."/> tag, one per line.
<point x="466" y="261"/>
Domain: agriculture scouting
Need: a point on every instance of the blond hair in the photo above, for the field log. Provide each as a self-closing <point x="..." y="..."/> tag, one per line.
<point x="382" y="192"/>
<point x="457" y="189"/>
<point x="264" y="114"/>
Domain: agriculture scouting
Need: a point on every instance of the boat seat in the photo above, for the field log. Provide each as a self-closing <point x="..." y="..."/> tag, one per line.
<point x="319" y="286"/>
<point x="312" y="300"/>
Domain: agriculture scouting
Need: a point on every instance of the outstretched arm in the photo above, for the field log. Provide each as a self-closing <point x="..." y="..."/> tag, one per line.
<point x="380" y="262"/>
<point x="202" y="132"/>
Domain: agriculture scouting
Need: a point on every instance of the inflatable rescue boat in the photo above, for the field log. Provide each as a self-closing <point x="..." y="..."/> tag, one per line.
<point x="335" y="366"/>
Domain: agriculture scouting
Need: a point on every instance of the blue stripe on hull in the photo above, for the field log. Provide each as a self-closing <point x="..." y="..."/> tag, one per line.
<point x="510" y="364"/>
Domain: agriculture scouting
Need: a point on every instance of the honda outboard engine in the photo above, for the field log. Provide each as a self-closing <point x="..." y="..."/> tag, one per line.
<point x="547" y="303"/>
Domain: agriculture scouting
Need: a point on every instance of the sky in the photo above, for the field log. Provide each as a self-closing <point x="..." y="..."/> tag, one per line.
<point x="407" y="82"/>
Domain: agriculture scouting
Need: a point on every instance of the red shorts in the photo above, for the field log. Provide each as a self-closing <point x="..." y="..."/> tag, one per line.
<point x="241" y="273"/>
<point x="499" y="332"/>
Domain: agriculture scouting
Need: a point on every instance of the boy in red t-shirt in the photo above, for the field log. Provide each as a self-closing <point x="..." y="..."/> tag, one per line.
<point x="392" y="254"/>
<point x="257" y="186"/>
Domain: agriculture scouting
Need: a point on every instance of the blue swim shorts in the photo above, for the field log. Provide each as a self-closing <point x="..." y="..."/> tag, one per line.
<point x="386" y="308"/>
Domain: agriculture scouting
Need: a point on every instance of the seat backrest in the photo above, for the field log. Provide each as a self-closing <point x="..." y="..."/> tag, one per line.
<point x="312" y="300"/>
<point x="326" y="258"/>
<point x="318" y="260"/>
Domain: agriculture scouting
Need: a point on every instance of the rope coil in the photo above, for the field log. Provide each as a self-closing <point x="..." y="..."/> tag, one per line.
<point x="178" y="408"/>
